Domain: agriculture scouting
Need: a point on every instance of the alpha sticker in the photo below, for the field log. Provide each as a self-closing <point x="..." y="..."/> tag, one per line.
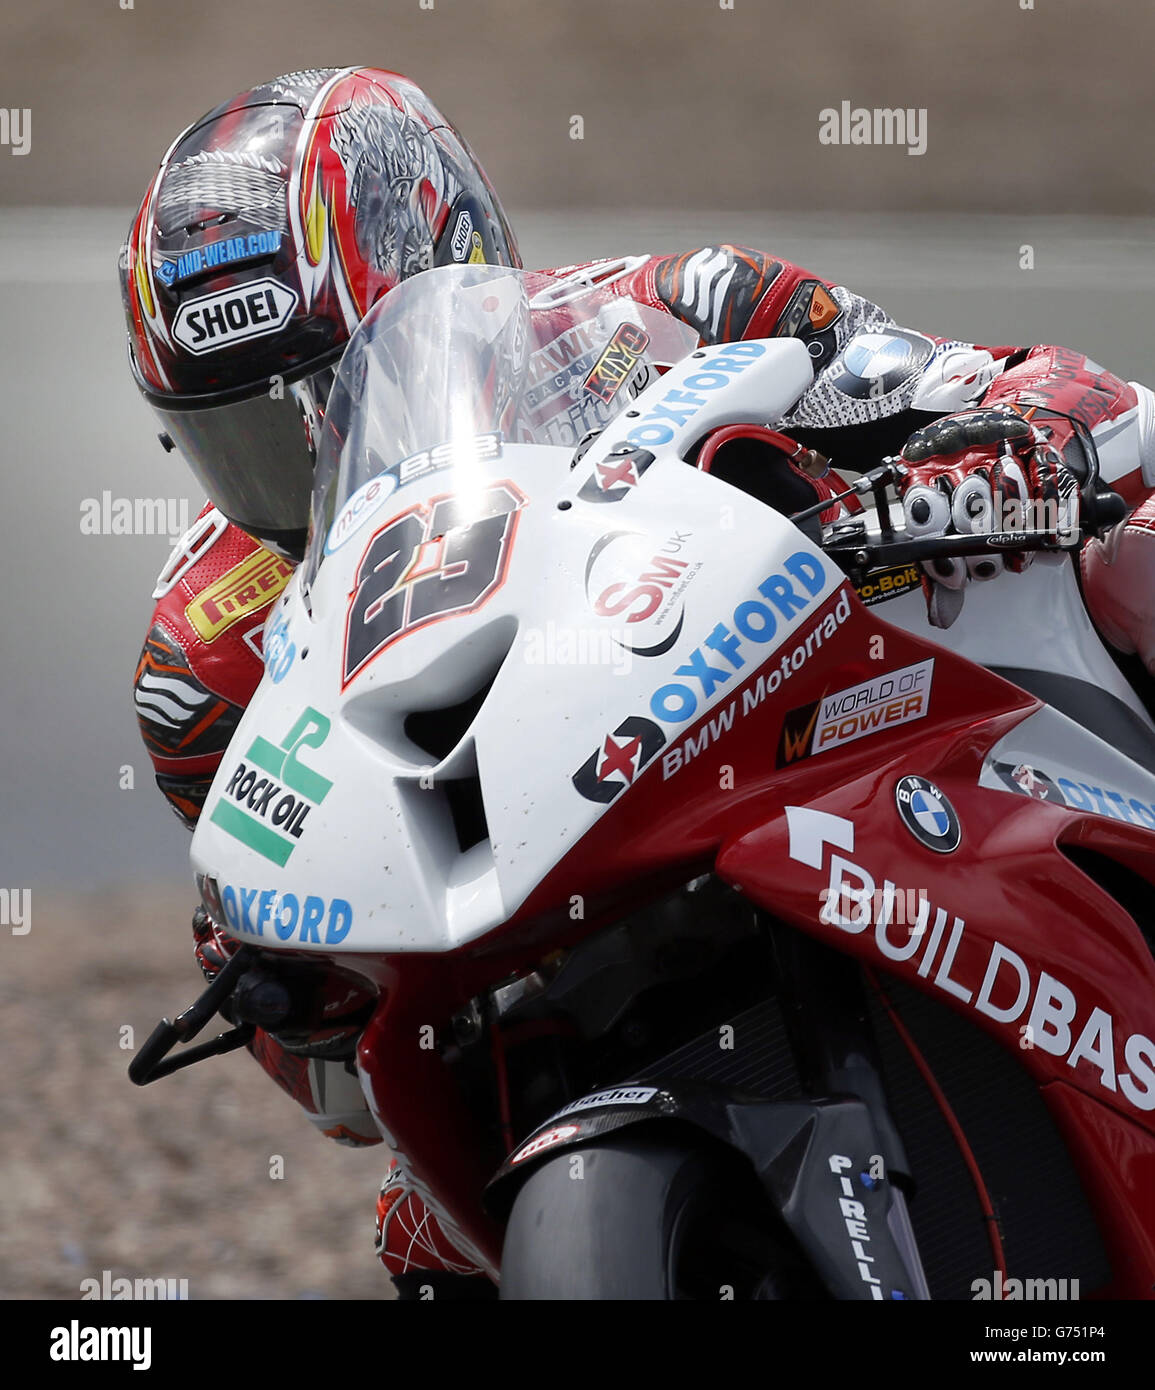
<point x="1022" y="777"/>
<point x="617" y="476"/>
<point x="219" y="320"/>
<point x="1080" y="796"/>
<point x="927" y="814"/>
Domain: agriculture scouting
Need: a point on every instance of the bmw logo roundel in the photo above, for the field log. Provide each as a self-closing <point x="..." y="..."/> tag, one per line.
<point x="927" y="814"/>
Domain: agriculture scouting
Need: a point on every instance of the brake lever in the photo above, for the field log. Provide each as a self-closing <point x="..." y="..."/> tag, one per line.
<point x="150" y="1062"/>
<point x="876" y="482"/>
<point x="870" y="555"/>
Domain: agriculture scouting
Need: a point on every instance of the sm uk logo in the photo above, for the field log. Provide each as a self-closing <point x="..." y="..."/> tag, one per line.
<point x="266" y="802"/>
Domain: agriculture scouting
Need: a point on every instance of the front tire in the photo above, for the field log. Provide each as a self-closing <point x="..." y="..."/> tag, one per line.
<point x="647" y="1215"/>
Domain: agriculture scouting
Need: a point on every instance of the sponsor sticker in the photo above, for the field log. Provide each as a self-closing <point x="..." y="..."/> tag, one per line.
<point x="662" y="422"/>
<point x="484" y="448"/>
<point x="238" y="593"/>
<point x="545" y="1141"/>
<point x="631" y="579"/>
<point x="219" y="320"/>
<point x="757" y="624"/>
<point x="881" y="585"/>
<point x="229" y="251"/>
<point x="883" y="702"/>
<point x="618" y="362"/>
<point x="622" y="1095"/>
<point x="266" y="802"/>
<point x="1081" y="796"/>
<point x="279" y="652"/>
<point x="462" y="238"/>
<point x="248" y="911"/>
<point x="987" y="976"/>
<point x="617" y="476"/>
<point x="359" y="508"/>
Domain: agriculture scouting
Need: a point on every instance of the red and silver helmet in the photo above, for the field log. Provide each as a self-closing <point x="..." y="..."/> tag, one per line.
<point x="271" y="227"/>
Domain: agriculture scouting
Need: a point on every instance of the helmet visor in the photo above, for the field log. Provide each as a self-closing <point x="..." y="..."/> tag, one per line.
<point x="254" y="457"/>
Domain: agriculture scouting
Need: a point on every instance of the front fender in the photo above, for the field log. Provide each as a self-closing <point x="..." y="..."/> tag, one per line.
<point x="817" y="1161"/>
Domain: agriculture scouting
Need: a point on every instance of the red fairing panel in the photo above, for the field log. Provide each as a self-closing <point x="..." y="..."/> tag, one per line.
<point x="1121" y="1158"/>
<point x="1016" y="938"/>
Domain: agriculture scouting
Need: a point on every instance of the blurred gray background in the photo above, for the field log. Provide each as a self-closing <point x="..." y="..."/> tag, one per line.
<point x="701" y="123"/>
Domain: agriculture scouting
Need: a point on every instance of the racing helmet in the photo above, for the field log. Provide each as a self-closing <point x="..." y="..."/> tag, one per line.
<point x="271" y="227"/>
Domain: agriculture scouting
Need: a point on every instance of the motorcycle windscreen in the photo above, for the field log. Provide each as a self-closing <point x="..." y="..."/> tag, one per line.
<point x="455" y="361"/>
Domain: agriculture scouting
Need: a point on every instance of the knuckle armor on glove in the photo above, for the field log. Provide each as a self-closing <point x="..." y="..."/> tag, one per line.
<point x="973" y="473"/>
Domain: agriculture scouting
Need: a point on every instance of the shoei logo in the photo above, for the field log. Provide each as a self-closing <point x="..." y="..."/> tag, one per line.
<point x="232" y="316"/>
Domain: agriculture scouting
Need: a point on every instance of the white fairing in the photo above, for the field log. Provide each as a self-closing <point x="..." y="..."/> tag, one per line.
<point x="382" y="840"/>
<point x="328" y="827"/>
<point x="595" y="594"/>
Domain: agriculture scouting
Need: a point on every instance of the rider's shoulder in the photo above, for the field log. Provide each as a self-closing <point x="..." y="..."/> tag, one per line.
<point x="723" y="290"/>
<point x="217" y="578"/>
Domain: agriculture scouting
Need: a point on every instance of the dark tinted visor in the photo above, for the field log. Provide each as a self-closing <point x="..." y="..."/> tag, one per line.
<point x="254" y="457"/>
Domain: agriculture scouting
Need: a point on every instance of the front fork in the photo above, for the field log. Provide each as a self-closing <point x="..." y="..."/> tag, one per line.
<point x="824" y="1004"/>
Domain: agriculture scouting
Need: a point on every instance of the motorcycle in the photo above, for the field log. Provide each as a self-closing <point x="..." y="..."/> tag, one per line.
<point x="728" y="932"/>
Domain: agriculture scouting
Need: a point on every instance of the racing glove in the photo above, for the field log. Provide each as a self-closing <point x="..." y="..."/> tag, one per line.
<point x="984" y="471"/>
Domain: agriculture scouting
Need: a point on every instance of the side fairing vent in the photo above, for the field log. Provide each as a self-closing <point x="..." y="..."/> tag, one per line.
<point x="424" y="726"/>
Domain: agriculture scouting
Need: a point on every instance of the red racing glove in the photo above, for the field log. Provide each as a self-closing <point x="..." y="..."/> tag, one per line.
<point x="984" y="471"/>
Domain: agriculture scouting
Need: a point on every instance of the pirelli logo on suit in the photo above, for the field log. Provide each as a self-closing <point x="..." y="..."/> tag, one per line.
<point x="239" y="593"/>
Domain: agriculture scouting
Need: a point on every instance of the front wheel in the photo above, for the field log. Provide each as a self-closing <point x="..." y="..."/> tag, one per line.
<point x="648" y="1215"/>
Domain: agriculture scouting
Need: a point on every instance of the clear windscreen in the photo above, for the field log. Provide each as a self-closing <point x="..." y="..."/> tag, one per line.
<point x="457" y="360"/>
